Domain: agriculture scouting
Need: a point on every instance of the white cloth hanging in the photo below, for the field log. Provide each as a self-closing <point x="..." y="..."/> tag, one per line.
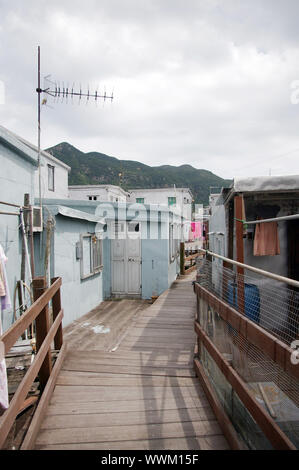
<point x="3" y="382"/>
<point x="5" y="301"/>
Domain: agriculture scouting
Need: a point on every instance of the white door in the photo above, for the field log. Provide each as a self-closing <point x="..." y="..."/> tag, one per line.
<point x="126" y="258"/>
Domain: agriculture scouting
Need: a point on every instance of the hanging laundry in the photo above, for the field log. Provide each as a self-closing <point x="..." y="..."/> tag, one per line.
<point x="195" y="231"/>
<point x="5" y="299"/>
<point x="5" y="303"/>
<point x="2" y="282"/>
<point x="3" y="382"/>
<point x="266" y="240"/>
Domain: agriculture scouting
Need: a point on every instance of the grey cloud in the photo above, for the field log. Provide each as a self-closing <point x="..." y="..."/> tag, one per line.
<point x="199" y="82"/>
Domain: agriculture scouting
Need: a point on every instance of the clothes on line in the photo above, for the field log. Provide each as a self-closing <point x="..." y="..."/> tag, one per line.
<point x="4" y="290"/>
<point x="5" y="303"/>
<point x="3" y="382"/>
<point x="195" y="231"/>
<point x="2" y="282"/>
<point x="266" y="240"/>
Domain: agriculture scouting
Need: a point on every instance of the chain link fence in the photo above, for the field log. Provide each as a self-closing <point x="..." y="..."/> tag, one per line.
<point x="274" y="308"/>
<point x="269" y="303"/>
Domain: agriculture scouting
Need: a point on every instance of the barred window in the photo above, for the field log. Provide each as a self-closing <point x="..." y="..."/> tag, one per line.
<point x="91" y="255"/>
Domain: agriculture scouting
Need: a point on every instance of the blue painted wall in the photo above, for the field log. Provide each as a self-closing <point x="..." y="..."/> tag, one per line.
<point x="154" y="267"/>
<point x="78" y="296"/>
<point x="16" y="179"/>
<point x="107" y="268"/>
<point x="157" y="272"/>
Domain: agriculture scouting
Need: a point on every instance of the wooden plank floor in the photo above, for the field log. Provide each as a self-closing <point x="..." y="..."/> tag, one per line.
<point x="143" y="395"/>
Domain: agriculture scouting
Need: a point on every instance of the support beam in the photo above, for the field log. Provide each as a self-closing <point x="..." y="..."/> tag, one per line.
<point x="239" y="213"/>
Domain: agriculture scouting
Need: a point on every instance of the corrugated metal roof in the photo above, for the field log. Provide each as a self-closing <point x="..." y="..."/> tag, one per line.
<point x="266" y="183"/>
<point x="75" y="214"/>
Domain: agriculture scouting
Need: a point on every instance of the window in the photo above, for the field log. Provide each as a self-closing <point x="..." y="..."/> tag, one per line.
<point x="140" y="200"/>
<point x="97" y="254"/>
<point x="171" y="201"/>
<point x="119" y="230"/>
<point x="133" y="227"/>
<point x="51" y="178"/>
<point x="92" y="198"/>
<point x="91" y="255"/>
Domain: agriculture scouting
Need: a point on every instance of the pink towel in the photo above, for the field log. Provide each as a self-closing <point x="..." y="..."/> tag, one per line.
<point x="195" y="231"/>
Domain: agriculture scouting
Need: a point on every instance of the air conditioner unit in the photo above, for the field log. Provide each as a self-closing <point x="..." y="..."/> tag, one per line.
<point x="37" y="219"/>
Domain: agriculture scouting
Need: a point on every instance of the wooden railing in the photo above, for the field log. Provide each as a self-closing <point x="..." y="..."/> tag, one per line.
<point x="42" y="367"/>
<point x="188" y="258"/>
<point x="273" y="348"/>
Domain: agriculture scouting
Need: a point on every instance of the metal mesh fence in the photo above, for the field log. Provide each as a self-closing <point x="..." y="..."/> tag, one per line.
<point x="276" y="310"/>
<point x="269" y="303"/>
<point x="272" y="387"/>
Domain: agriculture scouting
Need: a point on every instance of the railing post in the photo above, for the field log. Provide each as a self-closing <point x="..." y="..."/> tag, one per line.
<point x="56" y="306"/>
<point x="182" y="258"/>
<point x="42" y="324"/>
<point x="240" y="252"/>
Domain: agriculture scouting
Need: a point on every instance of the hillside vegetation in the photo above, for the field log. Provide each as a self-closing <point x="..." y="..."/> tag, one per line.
<point x="98" y="168"/>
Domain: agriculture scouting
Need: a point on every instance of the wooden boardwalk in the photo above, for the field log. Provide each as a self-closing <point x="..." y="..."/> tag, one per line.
<point x="143" y="395"/>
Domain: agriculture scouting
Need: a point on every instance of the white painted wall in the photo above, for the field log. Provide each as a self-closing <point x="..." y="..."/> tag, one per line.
<point x="60" y="178"/>
<point x="160" y="196"/>
<point x="102" y="193"/>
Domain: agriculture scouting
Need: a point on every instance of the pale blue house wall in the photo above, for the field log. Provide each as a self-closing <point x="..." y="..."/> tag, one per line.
<point x="16" y="179"/>
<point x="157" y="271"/>
<point x="78" y="296"/>
<point x="173" y="270"/>
<point x="106" y="268"/>
<point x="154" y="267"/>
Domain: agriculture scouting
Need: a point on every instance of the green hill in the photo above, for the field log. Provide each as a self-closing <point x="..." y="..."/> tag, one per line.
<point x="98" y="168"/>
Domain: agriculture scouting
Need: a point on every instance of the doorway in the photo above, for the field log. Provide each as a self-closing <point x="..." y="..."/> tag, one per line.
<point x="126" y="259"/>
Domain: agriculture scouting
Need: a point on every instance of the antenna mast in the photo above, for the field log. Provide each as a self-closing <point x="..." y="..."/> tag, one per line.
<point x="62" y="93"/>
<point x="38" y="125"/>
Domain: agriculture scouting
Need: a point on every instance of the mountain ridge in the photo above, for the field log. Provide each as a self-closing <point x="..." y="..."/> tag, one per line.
<point x="99" y="168"/>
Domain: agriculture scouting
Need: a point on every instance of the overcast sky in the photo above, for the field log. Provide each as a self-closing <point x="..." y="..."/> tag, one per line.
<point x="200" y="82"/>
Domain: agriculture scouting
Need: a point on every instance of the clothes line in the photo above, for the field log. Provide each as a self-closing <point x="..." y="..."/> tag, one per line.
<point x="13" y="205"/>
<point x="10" y="204"/>
<point x="276" y="277"/>
<point x="9" y="213"/>
<point x="274" y="219"/>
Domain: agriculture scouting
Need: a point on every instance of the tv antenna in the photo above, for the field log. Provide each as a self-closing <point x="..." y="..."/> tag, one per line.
<point x="63" y="92"/>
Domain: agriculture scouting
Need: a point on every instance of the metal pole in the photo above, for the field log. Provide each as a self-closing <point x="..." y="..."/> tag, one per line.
<point x="10" y="204"/>
<point x="38" y="121"/>
<point x="239" y="203"/>
<point x="286" y="280"/>
<point x="9" y="213"/>
<point x="275" y="219"/>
